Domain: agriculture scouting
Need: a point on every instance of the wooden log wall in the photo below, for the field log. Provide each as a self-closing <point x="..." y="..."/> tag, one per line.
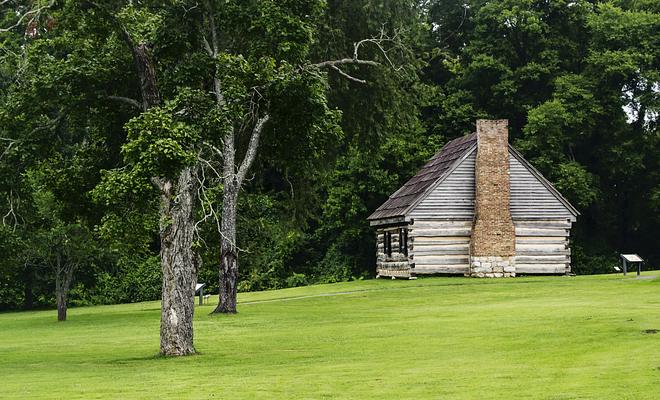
<point x="440" y="246"/>
<point x="443" y="246"/>
<point x="542" y="246"/>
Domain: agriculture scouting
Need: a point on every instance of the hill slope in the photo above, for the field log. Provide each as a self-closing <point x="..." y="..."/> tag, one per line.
<point x="449" y="338"/>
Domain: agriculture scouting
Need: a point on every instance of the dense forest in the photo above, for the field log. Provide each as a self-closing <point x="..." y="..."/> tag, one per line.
<point x="295" y="119"/>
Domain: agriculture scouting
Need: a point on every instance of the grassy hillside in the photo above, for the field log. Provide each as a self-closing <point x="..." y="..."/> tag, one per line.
<point x="440" y="338"/>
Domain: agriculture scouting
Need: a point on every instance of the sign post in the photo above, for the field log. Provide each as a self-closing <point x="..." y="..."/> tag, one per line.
<point x="633" y="259"/>
<point x="199" y="288"/>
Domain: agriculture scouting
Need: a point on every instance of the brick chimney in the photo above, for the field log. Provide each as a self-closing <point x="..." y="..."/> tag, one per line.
<point x="493" y="241"/>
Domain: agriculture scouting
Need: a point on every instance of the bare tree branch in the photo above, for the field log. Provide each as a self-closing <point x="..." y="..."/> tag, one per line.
<point x="187" y="10"/>
<point x="204" y="202"/>
<point x="126" y="100"/>
<point x="378" y="41"/>
<point x="31" y="13"/>
<point x="215" y="149"/>
<point x="344" y="61"/>
<point x="10" y="217"/>
<point x="208" y="208"/>
<point x="210" y="166"/>
<point x="251" y="152"/>
<point x="12" y="142"/>
<point x="207" y="46"/>
<point x="347" y="76"/>
<point x="212" y="28"/>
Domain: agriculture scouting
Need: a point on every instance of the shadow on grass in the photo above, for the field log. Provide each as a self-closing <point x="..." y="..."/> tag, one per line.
<point x="149" y="309"/>
<point x="153" y="357"/>
<point x="384" y="289"/>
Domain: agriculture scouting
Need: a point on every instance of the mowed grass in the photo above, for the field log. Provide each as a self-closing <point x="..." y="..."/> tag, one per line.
<point x="436" y="338"/>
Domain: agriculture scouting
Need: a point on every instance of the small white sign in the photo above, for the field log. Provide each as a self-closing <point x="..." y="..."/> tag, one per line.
<point x="632" y="257"/>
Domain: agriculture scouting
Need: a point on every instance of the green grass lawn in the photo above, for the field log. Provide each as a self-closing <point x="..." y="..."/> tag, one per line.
<point x="438" y="338"/>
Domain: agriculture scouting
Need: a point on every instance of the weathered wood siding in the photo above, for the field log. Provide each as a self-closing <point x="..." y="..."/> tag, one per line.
<point x="542" y="246"/>
<point x="397" y="264"/>
<point x="440" y="246"/>
<point x="529" y="198"/>
<point x="453" y="197"/>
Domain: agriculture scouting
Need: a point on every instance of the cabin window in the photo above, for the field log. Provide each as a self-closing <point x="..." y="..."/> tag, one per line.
<point x="387" y="243"/>
<point x="403" y="241"/>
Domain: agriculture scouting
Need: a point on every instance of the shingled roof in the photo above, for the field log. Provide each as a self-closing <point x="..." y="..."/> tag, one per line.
<point x="435" y="169"/>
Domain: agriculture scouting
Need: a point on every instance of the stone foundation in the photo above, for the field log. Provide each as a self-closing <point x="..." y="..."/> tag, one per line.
<point x="492" y="267"/>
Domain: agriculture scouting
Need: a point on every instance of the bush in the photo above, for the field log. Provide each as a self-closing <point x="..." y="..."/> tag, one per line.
<point x="135" y="281"/>
<point x="584" y="262"/>
<point x="297" y="280"/>
<point x="142" y="281"/>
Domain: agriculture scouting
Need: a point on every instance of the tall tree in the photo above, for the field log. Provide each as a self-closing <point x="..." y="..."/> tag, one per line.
<point x="51" y="159"/>
<point x="384" y="141"/>
<point x="262" y="66"/>
<point x="78" y="99"/>
<point x="151" y="135"/>
<point x="60" y="246"/>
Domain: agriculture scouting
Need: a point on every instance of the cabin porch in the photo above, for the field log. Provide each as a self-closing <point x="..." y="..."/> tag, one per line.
<point x="392" y="253"/>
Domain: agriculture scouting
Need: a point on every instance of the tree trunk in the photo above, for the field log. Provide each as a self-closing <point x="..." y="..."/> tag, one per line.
<point x="178" y="260"/>
<point x="63" y="277"/>
<point x="147" y="74"/>
<point x="178" y="265"/>
<point x="60" y="296"/>
<point x="28" y="302"/>
<point x="228" y="250"/>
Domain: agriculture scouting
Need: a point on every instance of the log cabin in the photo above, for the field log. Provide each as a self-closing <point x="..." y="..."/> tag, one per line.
<point x="477" y="208"/>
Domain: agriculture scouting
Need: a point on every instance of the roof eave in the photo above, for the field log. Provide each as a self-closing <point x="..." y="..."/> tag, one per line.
<point x="389" y="221"/>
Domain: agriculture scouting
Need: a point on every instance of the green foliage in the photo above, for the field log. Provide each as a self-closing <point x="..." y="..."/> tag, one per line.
<point x="11" y="293"/>
<point x="577" y="80"/>
<point x="269" y="260"/>
<point x="288" y="27"/>
<point x="158" y="145"/>
<point x="143" y="24"/>
<point x="574" y="79"/>
<point x="576" y="183"/>
<point x="57" y="240"/>
<point x="119" y="186"/>
<point x="136" y="280"/>
<point x="585" y="263"/>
